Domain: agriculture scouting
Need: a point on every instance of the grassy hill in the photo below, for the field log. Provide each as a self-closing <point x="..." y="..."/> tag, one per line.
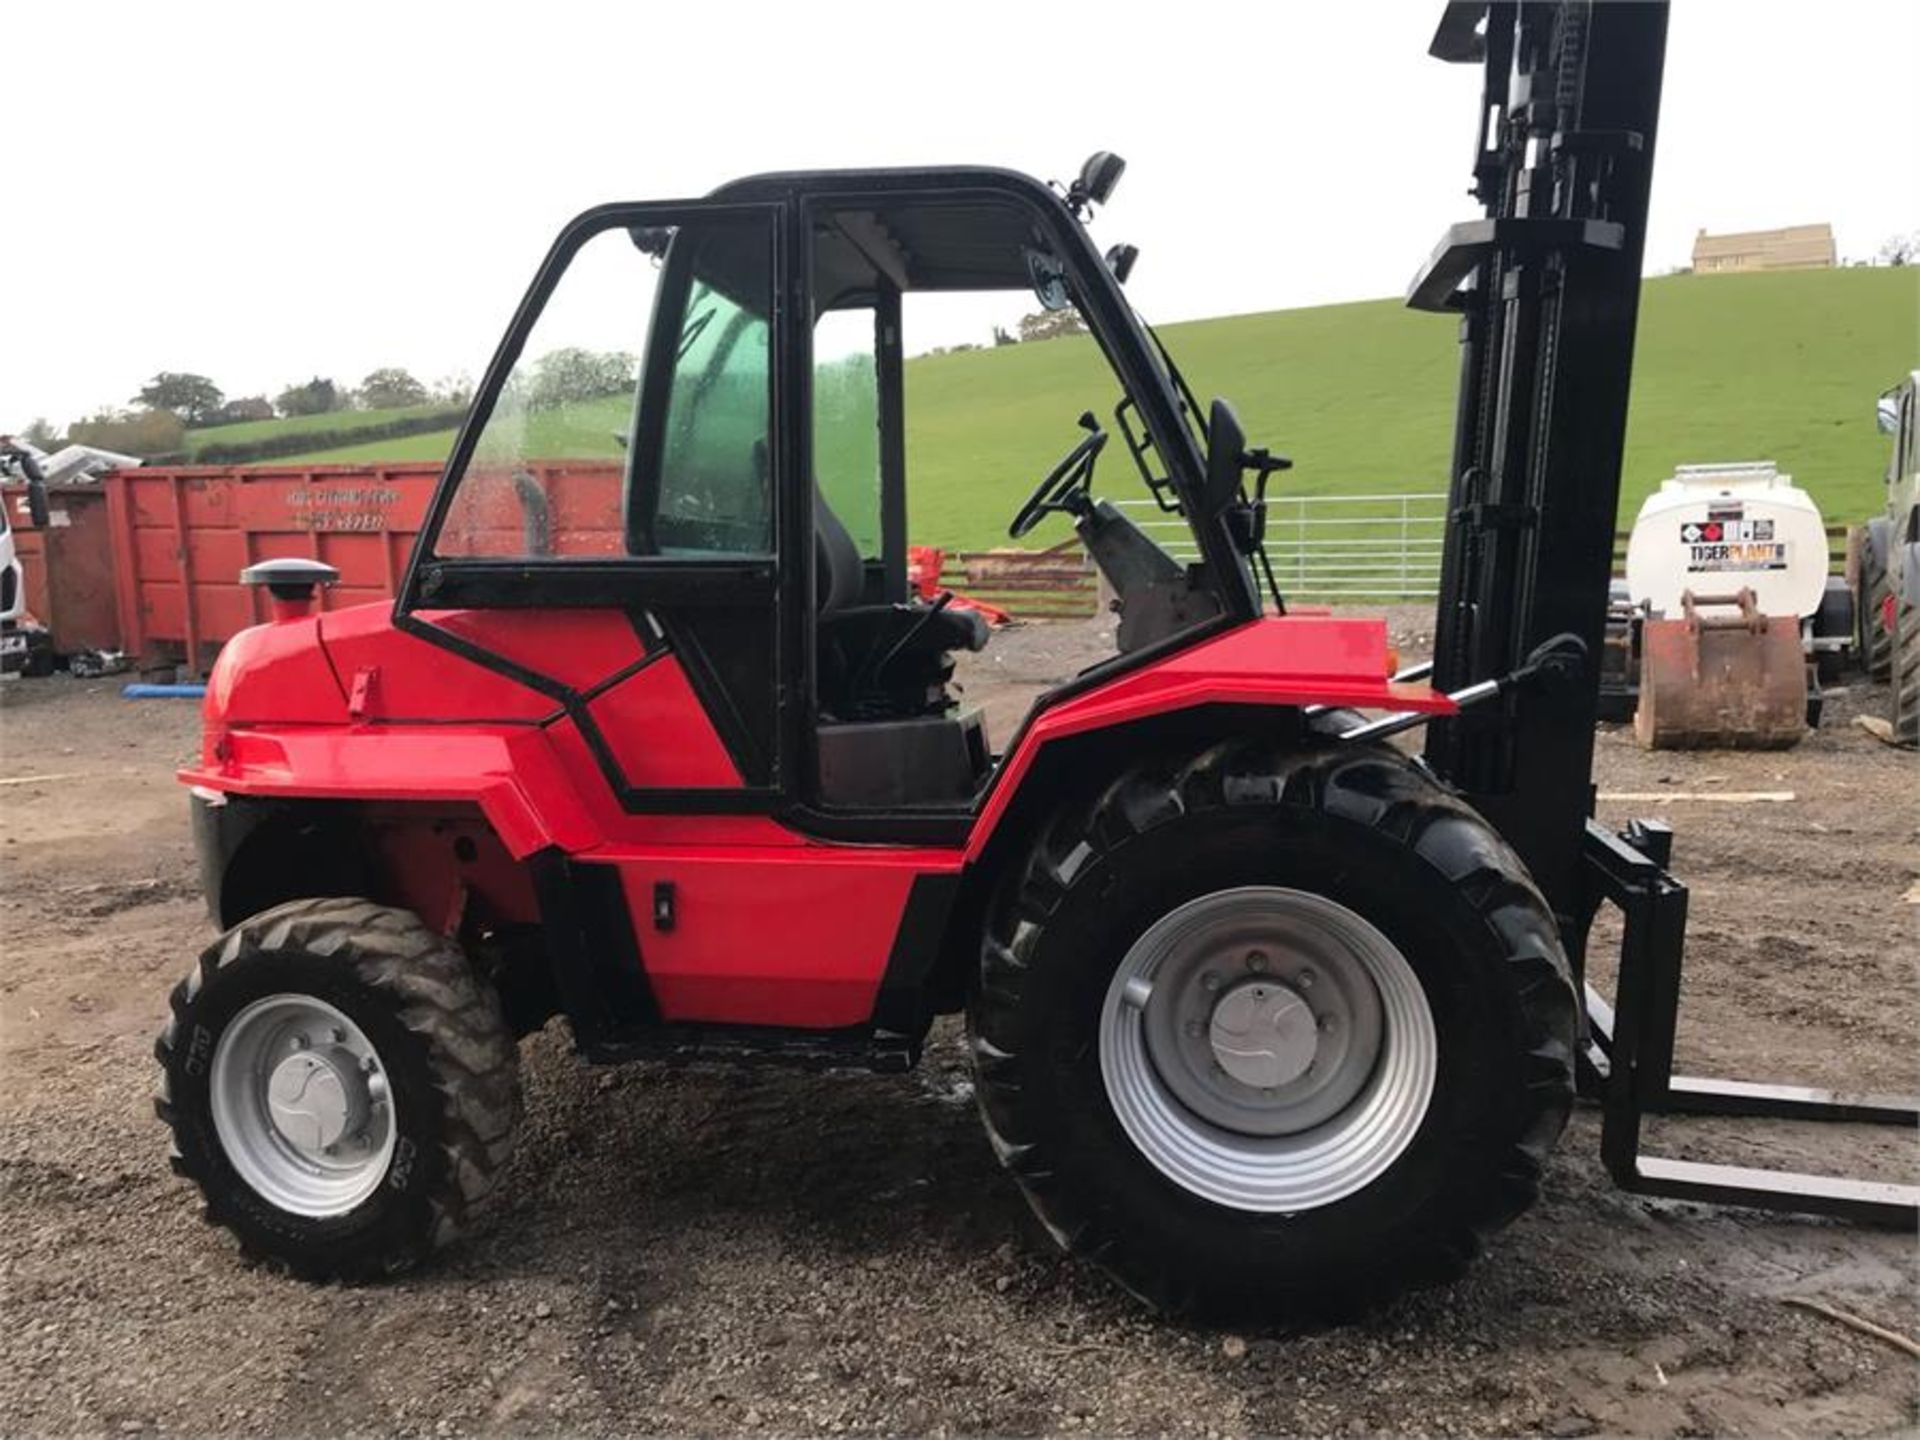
<point x="247" y="431"/>
<point x="1728" y="367"/>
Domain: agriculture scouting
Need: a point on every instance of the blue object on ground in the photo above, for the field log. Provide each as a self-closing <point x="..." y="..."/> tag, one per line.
<point x="162" y="692"/>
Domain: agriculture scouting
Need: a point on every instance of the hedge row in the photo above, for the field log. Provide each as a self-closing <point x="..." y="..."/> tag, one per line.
<point x="302" y="442"/>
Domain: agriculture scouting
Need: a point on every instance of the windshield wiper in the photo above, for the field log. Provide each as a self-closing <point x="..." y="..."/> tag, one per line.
<point x="1256" y="546"/>
<point x="1140" y="442"/>
<point x="1195" y="415"/>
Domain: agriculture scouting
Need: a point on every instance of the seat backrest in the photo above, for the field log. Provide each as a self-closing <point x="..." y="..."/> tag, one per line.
<point x="838" y="574"/>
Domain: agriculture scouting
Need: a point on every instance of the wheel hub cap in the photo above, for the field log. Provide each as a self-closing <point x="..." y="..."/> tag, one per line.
<point x="315" y="1098"/>
<point x="1267" y="1049"/>
<point x="1263" y="1034"/>
<point x="301" y="1106"/>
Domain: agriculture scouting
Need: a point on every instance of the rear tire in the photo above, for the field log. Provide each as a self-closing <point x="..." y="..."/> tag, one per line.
<point x="1876" y="645"/>
<point x="1905" y="664"/>
<point x="1378" y="848"/>
<point x="382" y="1019"/>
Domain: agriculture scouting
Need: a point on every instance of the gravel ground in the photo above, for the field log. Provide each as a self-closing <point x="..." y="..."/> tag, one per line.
<point x="718" y="1251"/>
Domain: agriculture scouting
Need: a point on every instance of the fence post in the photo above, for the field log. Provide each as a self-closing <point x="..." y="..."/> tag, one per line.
<point x="1403" y="549"/>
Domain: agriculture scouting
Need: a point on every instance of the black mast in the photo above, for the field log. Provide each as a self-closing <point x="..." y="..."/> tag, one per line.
<point x="1548" y="290"/>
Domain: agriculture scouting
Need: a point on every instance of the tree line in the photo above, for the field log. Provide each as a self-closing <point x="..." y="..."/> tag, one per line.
<point x="155" y="421"/>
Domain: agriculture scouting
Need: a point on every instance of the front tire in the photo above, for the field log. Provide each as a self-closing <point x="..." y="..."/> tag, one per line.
<point x="1215" y="1177"/>
<point x="340" y="1085"/>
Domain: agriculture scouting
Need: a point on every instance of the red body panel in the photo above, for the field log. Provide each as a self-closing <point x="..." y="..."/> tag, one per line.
<point x="578" y="648"/>
<point x="616" y="827"/>
<point x="772" y="926"/>
<point x="416" y="680"/>
<point x="773" y="936"/>
<point x="277" y="674"/>
<point x="659" y="732"/>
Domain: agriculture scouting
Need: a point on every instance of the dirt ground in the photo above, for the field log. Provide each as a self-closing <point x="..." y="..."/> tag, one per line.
<point x="718" y="1251"/>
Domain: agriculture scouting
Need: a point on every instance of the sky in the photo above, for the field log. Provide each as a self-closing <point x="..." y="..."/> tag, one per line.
<point x="262" y="193"/>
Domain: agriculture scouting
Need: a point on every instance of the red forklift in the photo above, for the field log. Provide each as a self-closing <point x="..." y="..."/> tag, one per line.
<point x="1266" y="1015"/>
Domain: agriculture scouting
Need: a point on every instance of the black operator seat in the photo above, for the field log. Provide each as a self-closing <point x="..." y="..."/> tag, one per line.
<point x="878" y="660"/>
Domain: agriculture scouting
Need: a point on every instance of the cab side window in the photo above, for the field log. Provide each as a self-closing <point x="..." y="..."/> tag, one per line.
<point x="702" y="472"/>
<point x="585" y="457"/>
<point x="846" y="423"/>
<point x="714" y="493"/>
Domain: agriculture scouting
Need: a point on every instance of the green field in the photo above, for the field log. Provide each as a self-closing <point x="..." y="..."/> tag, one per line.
<point x="1781" y="367"/>
<point x="250" y="430"/>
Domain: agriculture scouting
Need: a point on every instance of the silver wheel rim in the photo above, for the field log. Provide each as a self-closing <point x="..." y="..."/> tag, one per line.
<point x="301" y="1106"/>
<point x="1268" y="1049"/>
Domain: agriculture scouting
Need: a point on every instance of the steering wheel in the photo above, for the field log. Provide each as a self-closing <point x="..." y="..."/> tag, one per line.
<point x="1066" y="486"/>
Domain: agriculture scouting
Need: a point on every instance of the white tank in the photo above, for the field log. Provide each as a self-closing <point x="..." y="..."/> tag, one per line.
<point x="1714" y="529"/>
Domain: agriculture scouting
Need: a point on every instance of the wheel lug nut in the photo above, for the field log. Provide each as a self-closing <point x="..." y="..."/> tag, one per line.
<point x="1193" y="1029"/>
<point x="300" y="1042"/>
<point x="1304" y="979"/>
<point x="1257" y="960"/>
<point x="1327" y="1022"/>
<point x="1209" y="981"/>
<point x="339" y="1036"/>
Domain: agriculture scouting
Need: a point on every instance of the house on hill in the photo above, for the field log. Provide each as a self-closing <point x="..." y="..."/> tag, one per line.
<point x="1797" y="247"/>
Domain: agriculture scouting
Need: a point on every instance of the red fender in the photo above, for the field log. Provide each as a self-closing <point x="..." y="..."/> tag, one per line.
<point x="508" y="770"/>
<point x="1290" y="660"/>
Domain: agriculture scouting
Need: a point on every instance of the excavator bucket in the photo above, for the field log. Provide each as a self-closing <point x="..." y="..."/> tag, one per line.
<point x="1721" y="681"/>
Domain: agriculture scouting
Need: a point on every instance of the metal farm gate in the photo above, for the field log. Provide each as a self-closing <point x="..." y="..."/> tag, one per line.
<point x="1337" y="548"/>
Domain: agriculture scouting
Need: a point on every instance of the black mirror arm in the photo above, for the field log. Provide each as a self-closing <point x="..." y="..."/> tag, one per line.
<point x="36" y="482"/>
<point x="1264" y="465"/>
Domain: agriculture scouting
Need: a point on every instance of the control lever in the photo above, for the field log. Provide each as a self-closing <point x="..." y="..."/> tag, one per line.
<point x="873" y="670"/>
<point x="1551" y="665"/>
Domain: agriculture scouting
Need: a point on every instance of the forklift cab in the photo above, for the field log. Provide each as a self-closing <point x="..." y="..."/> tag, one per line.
<point x="667" y="435"/>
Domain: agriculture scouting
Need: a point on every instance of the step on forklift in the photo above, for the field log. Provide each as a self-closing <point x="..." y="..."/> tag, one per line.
<point x="1266" y="1016"/>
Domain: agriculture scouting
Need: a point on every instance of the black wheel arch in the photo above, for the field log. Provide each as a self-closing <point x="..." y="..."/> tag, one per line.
<point x="1070" y="769"/>
<point x="255" y="853"/>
